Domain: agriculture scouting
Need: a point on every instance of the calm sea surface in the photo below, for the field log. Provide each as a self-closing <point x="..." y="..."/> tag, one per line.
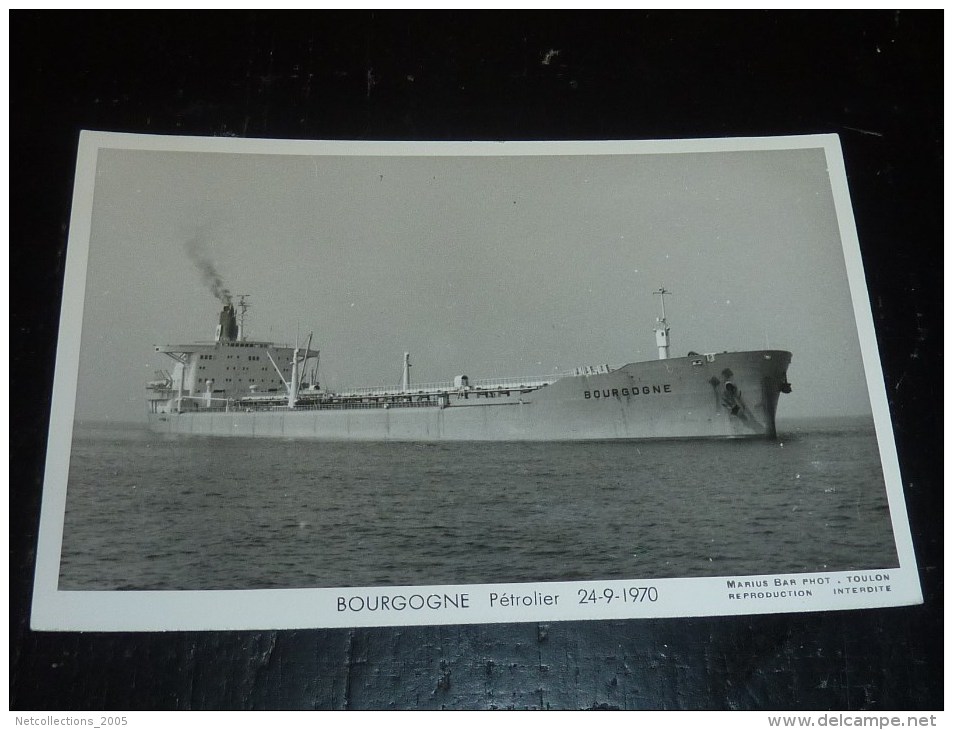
<point x="147" y="511"/>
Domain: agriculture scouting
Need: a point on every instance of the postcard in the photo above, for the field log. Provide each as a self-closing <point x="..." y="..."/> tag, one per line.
<point x="337" y="384"/>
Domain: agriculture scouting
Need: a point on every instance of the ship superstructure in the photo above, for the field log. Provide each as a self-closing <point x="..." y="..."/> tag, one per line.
<point x="231" y="370"/>
<point x="236" y="386"/>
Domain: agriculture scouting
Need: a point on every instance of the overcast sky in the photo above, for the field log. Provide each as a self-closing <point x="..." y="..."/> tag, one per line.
<point x="489" y="266"/>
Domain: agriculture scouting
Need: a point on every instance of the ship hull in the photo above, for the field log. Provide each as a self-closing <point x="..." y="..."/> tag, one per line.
<point x="726" y="395"/>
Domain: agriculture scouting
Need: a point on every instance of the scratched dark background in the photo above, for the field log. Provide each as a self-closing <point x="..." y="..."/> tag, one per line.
<point x="874" y="78"/>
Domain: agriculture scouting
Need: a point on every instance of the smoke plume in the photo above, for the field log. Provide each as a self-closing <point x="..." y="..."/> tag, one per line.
<point x="195" y="248"/>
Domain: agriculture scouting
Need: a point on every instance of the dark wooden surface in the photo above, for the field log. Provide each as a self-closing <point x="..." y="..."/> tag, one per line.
<point x="874" y="78"/>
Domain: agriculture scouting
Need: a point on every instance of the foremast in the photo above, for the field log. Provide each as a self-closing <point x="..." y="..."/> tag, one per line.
<point x="662" y="328"/>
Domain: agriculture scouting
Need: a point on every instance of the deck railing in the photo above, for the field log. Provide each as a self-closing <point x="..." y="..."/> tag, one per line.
<point x="348" y="406"/>
<point x="524" y="383"/>
<point x="513" y="383"/>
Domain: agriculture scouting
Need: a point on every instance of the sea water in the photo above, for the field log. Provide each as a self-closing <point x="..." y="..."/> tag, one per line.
<point x="161" y="512"/>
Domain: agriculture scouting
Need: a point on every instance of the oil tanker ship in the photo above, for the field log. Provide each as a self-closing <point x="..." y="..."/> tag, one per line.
<point x="233" y="386"/>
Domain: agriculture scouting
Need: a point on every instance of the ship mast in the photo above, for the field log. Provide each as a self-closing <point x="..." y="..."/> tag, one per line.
<point x="405" y="374"/>
<point x="242" y="308"/>
<point x="297" y="361"/>
<point x="661" y="327"/>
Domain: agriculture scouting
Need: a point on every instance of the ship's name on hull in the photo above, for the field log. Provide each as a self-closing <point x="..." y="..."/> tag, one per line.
<point x="637" y="390"/>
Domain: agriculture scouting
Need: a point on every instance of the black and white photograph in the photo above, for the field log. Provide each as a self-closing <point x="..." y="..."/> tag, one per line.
<point x="365" y="384"/>
<point x="789" y="165"/>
